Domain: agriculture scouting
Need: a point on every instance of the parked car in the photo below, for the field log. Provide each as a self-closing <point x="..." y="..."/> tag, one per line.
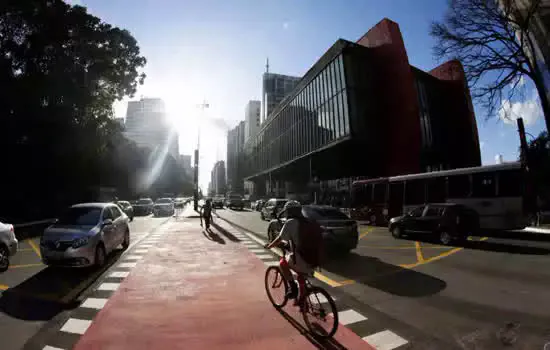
<point x="217" y="202"/>
<point x="164" y="206"/>
<point x="8" y="245"/>
<point x="179" y="202"/>
<point x="448" y="221"/>
<point x="144" y="206"/>
<point x="127" y="208"/>
<point x="85" y="235"/>
<point x="234" y="201"/>
<point x="271" y="207"/>
<point x="340" y="233"/>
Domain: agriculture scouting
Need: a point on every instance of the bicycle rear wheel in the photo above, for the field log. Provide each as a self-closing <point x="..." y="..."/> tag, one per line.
<point x="319" y="313"/>
<point x="276" y="286"/>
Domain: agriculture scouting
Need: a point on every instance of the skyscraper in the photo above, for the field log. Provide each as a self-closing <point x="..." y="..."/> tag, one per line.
<point x="252" y="119"/>
<point x="217" y="178"/>
<point x="147" y="125"/>
<point x="275" y="88"/>
<point x="235" y="146"/>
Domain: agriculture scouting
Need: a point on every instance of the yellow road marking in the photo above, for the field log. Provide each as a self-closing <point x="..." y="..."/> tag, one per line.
<point x="24" y="265"/>
<point x="346" y="282"/>
<point x="363" y="234"/>
<point x="3" y="287"/>
<point x="419" y="256"/>
<point x="35" y="248"/>
<point x="437" y="257"/>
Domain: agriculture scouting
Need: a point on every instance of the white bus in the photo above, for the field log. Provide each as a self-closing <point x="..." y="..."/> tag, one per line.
<point x="495" y="192"/>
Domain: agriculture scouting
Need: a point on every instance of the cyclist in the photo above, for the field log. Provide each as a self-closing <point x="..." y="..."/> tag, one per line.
<point x="306" y="240"/>
<point x="206" y="213"/>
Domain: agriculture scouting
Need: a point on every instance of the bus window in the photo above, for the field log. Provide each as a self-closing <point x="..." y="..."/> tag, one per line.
<point x="379" y="193"/>
<point x="414" y="192"/>
<point x="483" y="185"/>
<point x="362" y="195"/>
<point x="510" y="183"/>
<point x="435" y="188"/>
<point x="458" y="186"/>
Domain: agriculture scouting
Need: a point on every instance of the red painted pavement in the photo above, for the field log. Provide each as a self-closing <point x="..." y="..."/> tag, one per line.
<point x="191" y="292"/>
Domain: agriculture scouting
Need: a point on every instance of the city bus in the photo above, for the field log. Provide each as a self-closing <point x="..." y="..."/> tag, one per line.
<point x="495" y="192"/>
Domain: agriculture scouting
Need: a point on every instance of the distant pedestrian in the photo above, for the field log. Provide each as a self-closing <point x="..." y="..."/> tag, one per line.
<point x="206" y="213"/>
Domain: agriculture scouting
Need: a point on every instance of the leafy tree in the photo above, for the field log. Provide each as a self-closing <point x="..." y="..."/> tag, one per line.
<point x="494" y="41"/>
<point x="61" y="69"/>
<point x="538" y="154"/>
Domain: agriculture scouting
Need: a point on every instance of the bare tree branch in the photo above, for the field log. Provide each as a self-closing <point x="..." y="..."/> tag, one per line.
<point x="492" y="39"/>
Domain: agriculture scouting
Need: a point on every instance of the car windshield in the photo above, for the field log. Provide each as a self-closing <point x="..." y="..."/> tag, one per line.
<point x="164" y="201"/>
<point x="80" y="216"/>
<point x="324" y="213"/>
<point x="281" y="203"/>
<point x="145" y="201"/>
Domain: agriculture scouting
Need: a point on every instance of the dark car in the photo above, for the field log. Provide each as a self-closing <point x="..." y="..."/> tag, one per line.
<point x="234" y="202"/>
<point x="258" y="205"/>
<point x="217" y="203"/>
<point x="164" y="206"/>
<point x="144" y="206"/>
<point x="272" y="207"/>
<point x="448" y="221"/>
<point x="127" y="209"/>
<point x="340" y="233"/>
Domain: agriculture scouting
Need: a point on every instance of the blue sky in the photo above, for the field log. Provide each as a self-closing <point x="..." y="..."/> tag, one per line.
<point x="216" y="51"/>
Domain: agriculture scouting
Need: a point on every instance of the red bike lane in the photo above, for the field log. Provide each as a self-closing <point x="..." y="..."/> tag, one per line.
<point x="198" y="290"/>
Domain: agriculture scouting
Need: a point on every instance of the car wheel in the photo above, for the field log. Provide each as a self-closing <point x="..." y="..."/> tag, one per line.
<point x="99" y="255"/>
<point x="396" y="232"/>
<point x="126" y="240"/>
<point x="4" y="258"/>
<point x="445" y="238"/>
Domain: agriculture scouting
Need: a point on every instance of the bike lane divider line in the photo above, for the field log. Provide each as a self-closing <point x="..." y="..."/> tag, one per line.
<point x="34" y="247"/>
<point x="419" y="256"/>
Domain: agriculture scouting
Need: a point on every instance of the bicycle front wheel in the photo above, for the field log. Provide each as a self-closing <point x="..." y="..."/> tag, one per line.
<point x="319" y="313"/>
<point x="276" y="286"/>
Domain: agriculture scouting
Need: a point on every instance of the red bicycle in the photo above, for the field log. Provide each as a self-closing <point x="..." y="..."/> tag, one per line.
<point x="316" y="305"/>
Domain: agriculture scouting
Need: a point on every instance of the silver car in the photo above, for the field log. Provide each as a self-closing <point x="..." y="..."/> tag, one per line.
<point x="8" y="245"/>
<point x="84" y="235"/>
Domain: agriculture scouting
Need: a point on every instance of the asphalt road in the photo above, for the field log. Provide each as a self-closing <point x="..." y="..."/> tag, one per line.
<point x="32" y="294"/>
<point x="490" y="291"/>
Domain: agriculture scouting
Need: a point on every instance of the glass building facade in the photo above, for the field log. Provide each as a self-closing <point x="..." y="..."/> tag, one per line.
<point x="314" y="116"/>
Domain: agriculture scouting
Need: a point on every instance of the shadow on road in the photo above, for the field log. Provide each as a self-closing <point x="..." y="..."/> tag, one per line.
<point x="50" y="291"/>
<point x="385" y="277"/>
<point x="31" y="231"/>
<point x="325" y="344"/>
<point x="225" y="233"/>
<point x="213" y="236"/>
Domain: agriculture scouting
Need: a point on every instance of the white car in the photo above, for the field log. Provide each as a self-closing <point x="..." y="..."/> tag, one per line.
<point x="84" y="235"/>
<point x="8" y="245"/>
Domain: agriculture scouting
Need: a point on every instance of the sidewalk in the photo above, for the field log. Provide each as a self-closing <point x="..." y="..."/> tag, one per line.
<point x="195" y="290"/>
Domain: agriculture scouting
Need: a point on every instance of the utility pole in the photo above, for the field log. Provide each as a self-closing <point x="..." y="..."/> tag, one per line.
<point x="202" y="106"/>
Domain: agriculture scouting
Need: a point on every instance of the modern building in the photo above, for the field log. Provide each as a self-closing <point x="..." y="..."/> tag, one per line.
<point x="363" y="111"/>
<point x="252" y="119"/>
<point x="235" y="167"/>
<point x="217" y="179"/>
<point x="275" y="87"/>
<point x="147" y="125"/>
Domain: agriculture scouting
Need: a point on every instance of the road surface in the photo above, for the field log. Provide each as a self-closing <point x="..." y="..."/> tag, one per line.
<point x="490" y="291"/>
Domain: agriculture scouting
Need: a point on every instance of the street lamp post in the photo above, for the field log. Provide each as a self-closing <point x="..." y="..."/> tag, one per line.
<point x="202" y="106"/>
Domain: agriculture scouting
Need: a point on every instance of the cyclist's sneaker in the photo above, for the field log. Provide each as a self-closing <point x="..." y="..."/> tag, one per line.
<point x="293" y="292"/>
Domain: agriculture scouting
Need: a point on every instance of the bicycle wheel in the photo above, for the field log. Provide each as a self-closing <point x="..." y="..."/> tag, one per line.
<point x="319" y="313"/>
<point x="276" y="286"/>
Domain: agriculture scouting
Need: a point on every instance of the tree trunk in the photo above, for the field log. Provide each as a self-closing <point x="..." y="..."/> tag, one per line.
<point x="545" y="104"/>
